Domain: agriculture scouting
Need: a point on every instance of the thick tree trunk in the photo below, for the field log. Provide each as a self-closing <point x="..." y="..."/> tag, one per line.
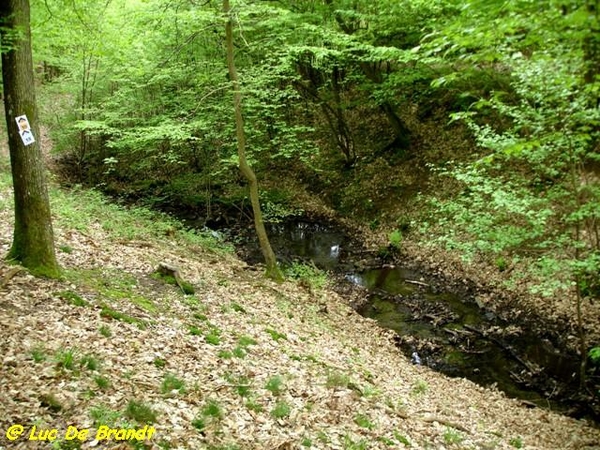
<point x="33" y="241"/>
<point x="265" y="246"/>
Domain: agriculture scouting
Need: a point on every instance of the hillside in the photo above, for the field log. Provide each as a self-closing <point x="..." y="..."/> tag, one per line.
<point x="243" y="363"/>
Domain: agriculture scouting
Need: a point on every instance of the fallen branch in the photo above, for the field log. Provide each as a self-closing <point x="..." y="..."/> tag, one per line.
<point x="9" y="275"/>
<point x="420" y="283"/>
<point x="443" y="421"/>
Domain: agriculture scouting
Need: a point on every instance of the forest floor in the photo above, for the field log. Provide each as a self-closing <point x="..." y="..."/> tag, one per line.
<point x="243" y="363"/>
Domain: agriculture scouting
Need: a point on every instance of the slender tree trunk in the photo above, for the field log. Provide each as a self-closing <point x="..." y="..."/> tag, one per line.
<point x="33" y="241"/>
<point x="265" y="246"/>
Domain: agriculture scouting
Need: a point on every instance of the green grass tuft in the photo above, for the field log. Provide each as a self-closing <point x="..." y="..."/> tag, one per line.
<point x="281" y="410"/>
<point x="172" y="383"/>
<point x="140" y="412"/>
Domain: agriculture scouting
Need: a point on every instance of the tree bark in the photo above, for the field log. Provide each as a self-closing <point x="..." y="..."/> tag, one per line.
<point x="33" y="240"/>
<point x="265" y="246"/>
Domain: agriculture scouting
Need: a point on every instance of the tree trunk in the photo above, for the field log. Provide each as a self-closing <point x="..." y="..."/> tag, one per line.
<point x="265" y="246"/>
<point x="33" y="241"/>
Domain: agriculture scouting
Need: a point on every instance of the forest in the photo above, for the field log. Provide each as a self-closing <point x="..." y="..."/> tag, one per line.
<point x="333" y="205"/>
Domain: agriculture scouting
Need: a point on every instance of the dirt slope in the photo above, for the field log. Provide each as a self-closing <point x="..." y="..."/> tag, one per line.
<point x="243" y="363"/>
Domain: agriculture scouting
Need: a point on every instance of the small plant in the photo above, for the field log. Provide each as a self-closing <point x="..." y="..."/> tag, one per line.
<point x="252" y="405"/>
<point x="594" y="355"/>
<point x="104" y="416"/>
<point x="140" y="412"/>
<point x="501" y="263"/>
<point x="349" y="444"/>
<point x="402" y="439"/>
<point x="105" y="331"/>
<point x="102" y="382"/>
<point x="370" y="391"/>
<point x="195" y="331"/>
<point x="452" y="436"/>
<point x="201" y="317"/>
<point x="159" y="363"/>
<point x="322" y="437"/>
<point x="363" y="421"/>
<point x="274" y="385"/>
<point x="38" y="354"/>
<point x="387" y="441"/>
<point x="199" y="423"/>
<point x="172" y="383"/>
<point x="306" y="442"/>
<point x="246" y="341"/>
<point x="307" y="274"/>
<point x="243" y="387"/>
<point x="89" y="362"/>
<point x="239" y="352"/>
<point x="111" y="313"/>
<point x="336" y="379"/>
<point x="420" y="387"/>
<point x="65" y="359"/>
<point x="213" y="337"/>
<point x="212" y="409"/>
<point x="281" y="410"/>
<point x="238" y="308"/>
<point x="66" y="248"/>
<point x="225" y="354"/>
<point x="516" y="442"/>
<point x="73" y="298"/>
<point x="277" y="336"/>
<point x="395" y="238"/>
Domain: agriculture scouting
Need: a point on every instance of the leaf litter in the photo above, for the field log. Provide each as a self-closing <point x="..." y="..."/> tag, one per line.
<point x="342" y="382"/>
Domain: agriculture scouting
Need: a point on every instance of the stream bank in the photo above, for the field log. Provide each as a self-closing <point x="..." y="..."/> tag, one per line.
<point x="438" y="322"/>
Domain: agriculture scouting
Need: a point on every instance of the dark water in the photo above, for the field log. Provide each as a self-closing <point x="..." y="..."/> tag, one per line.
<point x="448" y="333"/>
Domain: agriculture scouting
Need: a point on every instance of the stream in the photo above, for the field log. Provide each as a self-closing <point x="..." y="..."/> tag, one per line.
<point x="435" y="325"/>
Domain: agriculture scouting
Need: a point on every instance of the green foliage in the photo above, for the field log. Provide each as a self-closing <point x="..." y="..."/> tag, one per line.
<point x="451" y="436"/>
<point x="108" y="312"/>
<point x="274" y="385"/>
<point x="594" y="355"/>
<point x="401" y="438"/>
<point x="276" y="335"/>
<point x="363" y="421"/>
<point x="103" y="415"/>
<point x="531" y="189"/>
<point x="79" y="209"/>
<point x="89" y="362"/>
<point x="159" y="363"/>
<point x="395" y="239"/>
<point x="213" y="337"/>
<point x="281" y="410"/>
<point x="213" y="410"/>
<point x="516" y="442"/>
<point x="337" y="379"/>
<point x="171" y="383"/>
<point x="102" y="382"/>
<point x="239" y="352"/>
<point x="195" y="331"/>
<point x="65" y="359"/>
<point x="246" y="341"/>
<point x="420" y="387"/>
<point x="308" y="274"/>
<point x="252" y="405"/>
<point x="38" y="354"/>
<point x="199" y="424"/>
<point x="140" y="412"/>
<point x="105" y="331"/>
